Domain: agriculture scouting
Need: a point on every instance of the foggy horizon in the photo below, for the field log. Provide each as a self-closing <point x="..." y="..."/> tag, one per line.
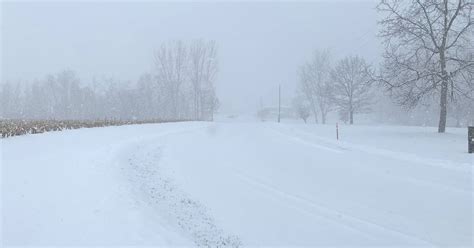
<point x="261" y="45"/>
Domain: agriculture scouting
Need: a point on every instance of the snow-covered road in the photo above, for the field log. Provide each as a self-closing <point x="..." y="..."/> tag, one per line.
<point x="222" y="183"/>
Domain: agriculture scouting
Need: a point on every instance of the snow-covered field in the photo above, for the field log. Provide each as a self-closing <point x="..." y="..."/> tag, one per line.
<point x="238" y="183"/>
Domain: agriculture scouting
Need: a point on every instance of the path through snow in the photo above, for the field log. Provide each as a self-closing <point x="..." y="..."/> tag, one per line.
<point x="222" y="183"/>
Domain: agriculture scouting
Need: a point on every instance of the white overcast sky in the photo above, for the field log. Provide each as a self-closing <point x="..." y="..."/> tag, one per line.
<point x="261" y="44"/>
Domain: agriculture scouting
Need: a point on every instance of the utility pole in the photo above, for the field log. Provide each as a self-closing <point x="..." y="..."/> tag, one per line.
<point x="279" y="103"/>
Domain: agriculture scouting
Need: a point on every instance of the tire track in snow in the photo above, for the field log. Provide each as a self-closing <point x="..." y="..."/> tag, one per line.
<point x="366" y="228"/>
<point x="405" y="157"/>
<point x="402" y="156"/>
<point x="304" y="142"/>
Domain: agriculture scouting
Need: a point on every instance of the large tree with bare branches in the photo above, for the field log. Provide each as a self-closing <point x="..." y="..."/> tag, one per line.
<point x="171" y="64"/>
<point x="315" y="83"/>
<point x="202" y="73"/>
<point x="352" y="94"/>
<point x="428" y="50"/>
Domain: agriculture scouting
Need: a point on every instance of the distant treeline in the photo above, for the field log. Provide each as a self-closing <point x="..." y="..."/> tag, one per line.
<point x="181" y="86"/>
<point x="349" y="87"/>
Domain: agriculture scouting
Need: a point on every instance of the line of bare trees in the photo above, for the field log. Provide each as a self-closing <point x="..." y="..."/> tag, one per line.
<point x="182" y="87"/>
<point x="428" y="61"/>
<point x="345" y="87"/>
<point x="189" y="72"/>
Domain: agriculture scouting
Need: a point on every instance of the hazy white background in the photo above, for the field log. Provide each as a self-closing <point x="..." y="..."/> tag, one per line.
<point x="261" y="44"/>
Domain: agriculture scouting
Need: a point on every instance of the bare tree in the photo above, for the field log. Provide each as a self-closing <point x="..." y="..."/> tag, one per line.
<point x="171" y="64"/>
<point x="203" y="70"/>
<point x="198" y="59"/>
<point x="301" y="107"/>
<point x="307" y="88"/>
<point x="210" y="102"/>
<point x="428" y="43"/>
<point x="315" y="83"/>
<point x="352" y="86"/>
<point x="320" y="71"/>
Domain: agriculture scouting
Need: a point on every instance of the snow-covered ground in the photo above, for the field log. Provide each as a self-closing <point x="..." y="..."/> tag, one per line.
<point x="238" y="183"/>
